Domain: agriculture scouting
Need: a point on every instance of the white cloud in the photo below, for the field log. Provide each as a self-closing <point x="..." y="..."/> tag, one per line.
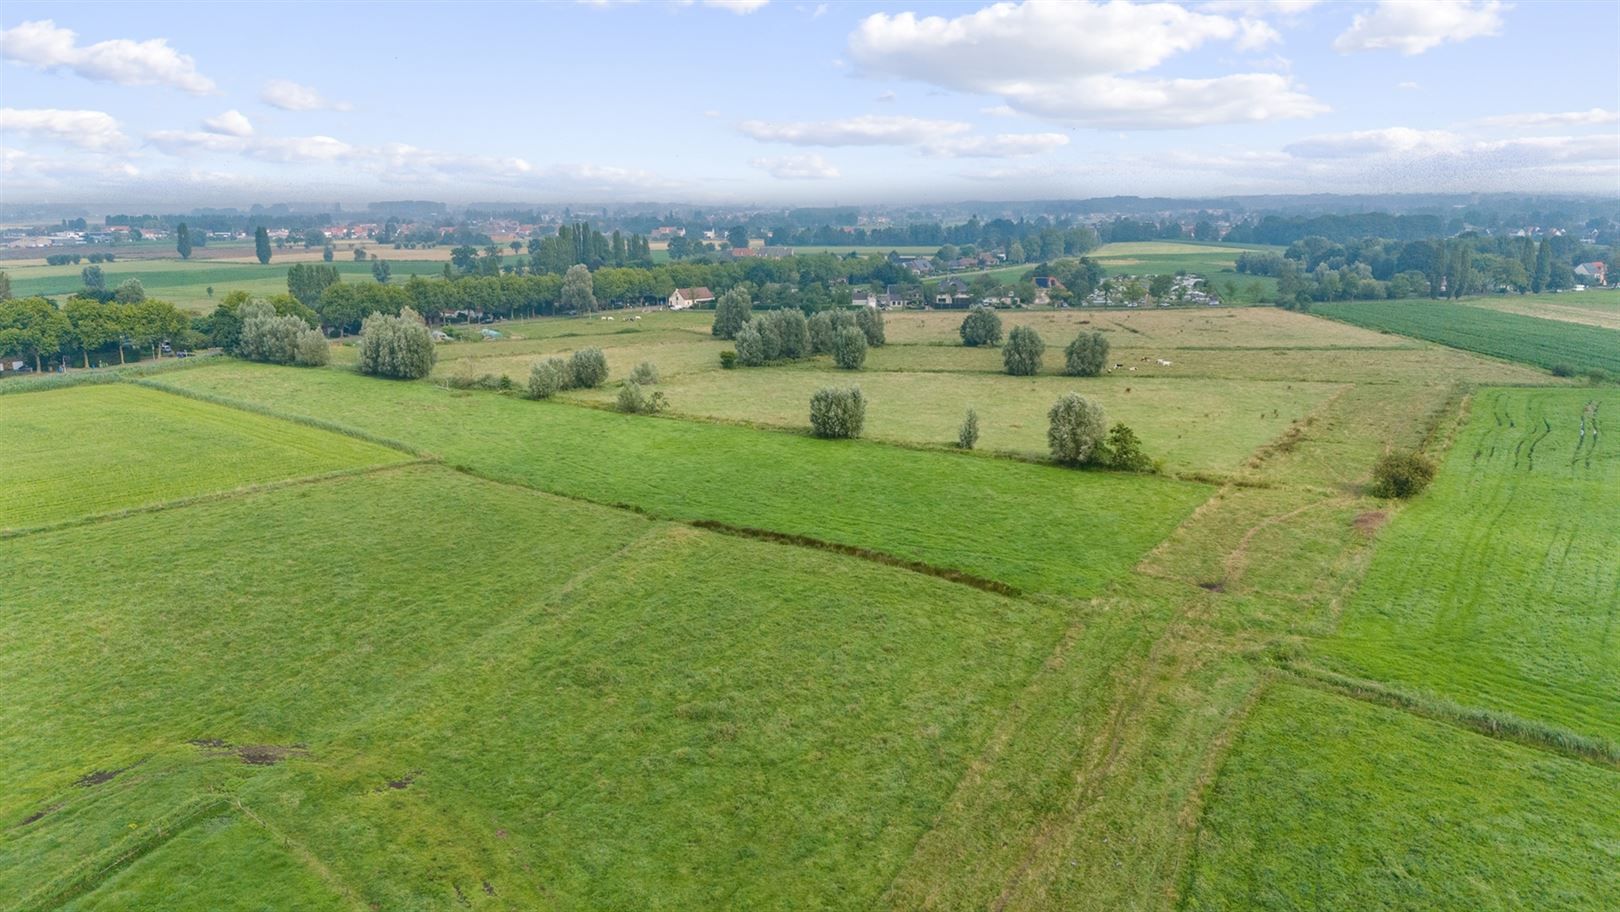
<point x="85" y="129"/>
<point x="44" y="46"/>
<point x="1000" y="110"/>
<point x="1413" y="28"/>
<point x="1593" y="117"/>
<point x="1408" y="86"/>
<point x="740" y="7"/>
<point x="1364" y="143"/>
<point x="1002" y="145"/>
<point x="1287" y="9"/>
<point x="1066" y="61"/>
<point x="290" y="96"/>
<point x="19" y="166"/>
<point x="797" y="167"/>
<point x="821" y="10"/>
<point x="230" y="123"/>
<point x="191" y="142"/>
<point x="867" y="130"/>
<point x="301" y="149"/>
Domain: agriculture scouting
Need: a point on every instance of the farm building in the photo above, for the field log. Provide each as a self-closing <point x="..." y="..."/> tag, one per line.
<point x="687" y="298"/>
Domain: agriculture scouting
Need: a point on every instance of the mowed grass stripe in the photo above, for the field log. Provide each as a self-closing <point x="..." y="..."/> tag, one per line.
<point x="1500" y="588"/>
<point x="1544" y="343"/>
<point x="587" y="708"/>
<point x="102" y="448"/>
<point x="1032" y="527"/>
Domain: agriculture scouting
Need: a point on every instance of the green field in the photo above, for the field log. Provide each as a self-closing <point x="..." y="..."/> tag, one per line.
<point x="1376" y="810"/>
<point x="1531" y="340"/>
<point x="185" y="283"/>
<point x="156" y="448"/>
<point x="542" y="655"/>
<point x="1501" y="588"/>
<point x="1593" y="308"/>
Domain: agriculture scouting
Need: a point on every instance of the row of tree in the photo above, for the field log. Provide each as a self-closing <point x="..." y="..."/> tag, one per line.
<point x="87" y="329"/>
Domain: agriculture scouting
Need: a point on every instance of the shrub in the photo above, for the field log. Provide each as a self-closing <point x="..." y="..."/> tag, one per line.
<point x="1076" y="428"/>
<point x="837" y="412"/>
<point x="730" y="313"/>
<point x="397" y="347"/>
<point x="824" y="327"/>
<point x="770" y="337"/>
<point x="1086" y="356"/>
<point x="312" y="349"/>
<point x="548" y="377"/>
<point x="1022" y="356"/>
<point x="587" y="368"/>
<point x="644" y="373"/>
<point x="1563" y="370"/>
<point x="1122" y="450"/>
<point x="728" y="359"/>
<point x="870" y="321"/>
<point x="794" y="331"/>
<point x="1401" y="474"/>
<point x="633" y="400"/>
<point x="750" y="346"/>
<point x="849" y="348"/>
<point x="264" y="335"/>
<point x="968" y="436"/>
<point x="982" y="326"/>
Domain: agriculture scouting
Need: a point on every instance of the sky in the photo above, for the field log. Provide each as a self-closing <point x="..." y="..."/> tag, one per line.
<point x="748" y="102"/>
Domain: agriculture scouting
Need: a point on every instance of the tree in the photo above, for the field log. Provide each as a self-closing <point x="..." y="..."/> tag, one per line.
<point x="587" y="368"/>
<point x="968" y="435"/>
<point x="737" y="236"/>
<point x="398" y="347"/>
<point x="1123" y="451"/>
<point x="130" y="291"/>
<point x="278" y="338"/>
<point x="359" y="254"/>
<point x="1076" y="428"/>
<point x="93" y="278"/>
<point x="308" y="281"/>
<point x="731" y="312"/>
<point x="849" y="348"/>
<point x="577" y="290"/>
<point x="314" y="237"/>
<point x="870" y="321"/>
<point x="837" y="413"/>
<point x="33" y="328"/>
<point x="750" y="345"/>
<point x="95" y="325"/>
<point x="633" y="400"/>
<point x="981" y="327"/>
<point x="1087" y="355"/>
<point x="1160" y="285"/>
<point x="182" y="240"/>
<point x="261" y="245"/>
<point x="1401" y="474"/>
<point x="5" y="286"/>
<point x="824" y="328"/>
<point x="327" y="253"/>
<point x="1540" y="278"/>
<point x="381" y="271"/>
<point x="793" y="332"/>
<point x="644" y="373"/>
<point x="548" y="377"/>
<point x="1022" y="355"/>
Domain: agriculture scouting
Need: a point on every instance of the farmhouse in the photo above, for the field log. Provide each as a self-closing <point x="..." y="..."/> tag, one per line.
<point x="1597" y="271"/>
<point x="687" y="298"/>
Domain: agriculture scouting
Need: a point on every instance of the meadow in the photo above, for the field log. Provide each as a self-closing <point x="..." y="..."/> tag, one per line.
<point x="1544" y="343"/>
<point x="542" y="655"/>
<point x="1593" y="308"/>
<point x="185" y="283"/>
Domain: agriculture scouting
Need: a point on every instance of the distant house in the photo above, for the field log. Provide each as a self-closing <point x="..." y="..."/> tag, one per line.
<point x="688" y="298"/>
<point x="952" y="293"/>
<point x="1597" y="271"/>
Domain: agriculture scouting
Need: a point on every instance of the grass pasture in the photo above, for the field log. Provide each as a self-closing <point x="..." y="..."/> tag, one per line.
<point x="1500" y="588"/>
<point x="651" y="717"/>
<point x="1544" y="343"/>
<point x="1593" y="308"/>
<point x="152" y="447"/>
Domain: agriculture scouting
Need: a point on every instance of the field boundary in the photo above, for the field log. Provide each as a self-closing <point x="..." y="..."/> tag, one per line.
<point x="307" y="421"/>
<point x="1502" y="726"/>
<point x="98" y="375"/>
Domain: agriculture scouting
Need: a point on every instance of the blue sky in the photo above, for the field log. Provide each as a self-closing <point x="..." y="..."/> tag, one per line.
<point x="738" y="101"/>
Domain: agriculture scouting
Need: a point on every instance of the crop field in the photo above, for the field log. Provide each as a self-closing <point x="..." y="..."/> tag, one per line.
<point x="1531" y="340"/>
<point x="1501" y="588"/>
<point x="1593" y="308"/>
<point x="544" y="655"/>
<point x="158" y="447"/>
<point x="185" y="283"/>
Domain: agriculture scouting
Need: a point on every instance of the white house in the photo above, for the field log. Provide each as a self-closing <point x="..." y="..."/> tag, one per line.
<point x="687" y="298"/>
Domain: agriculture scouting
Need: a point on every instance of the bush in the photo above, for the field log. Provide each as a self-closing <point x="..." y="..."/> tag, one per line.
<point x="968" y="436"/>
<point x="824" y="327"/>
<point x="312" y="349"/>
<point x="870" y="321"/>
<point x="264" y="335"/>
<point x="730" y="313"/>
<point x="1563" y="370"/>
<point x="549" y="377"/>
<point x="982" y="326"/>
<point x="794" y="331"/>
<point x="837" y="413"/>
<point x="750" y="346"/>
<point x="1076" y="429"/>
<point x="849" y="348"/>
<point x="1022" y="356"/>
<point x="633" y="400"/>
<point x="728" y="359"/>
<point x="587" y="369"/>
<point x="644" y="373"/>
<point x="1123" y="451"/>
<point x="1401" y="474"/>
<point x="398" y="347"/>
<point x="1086" y="356"/>
<point x="770" y="337"/>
